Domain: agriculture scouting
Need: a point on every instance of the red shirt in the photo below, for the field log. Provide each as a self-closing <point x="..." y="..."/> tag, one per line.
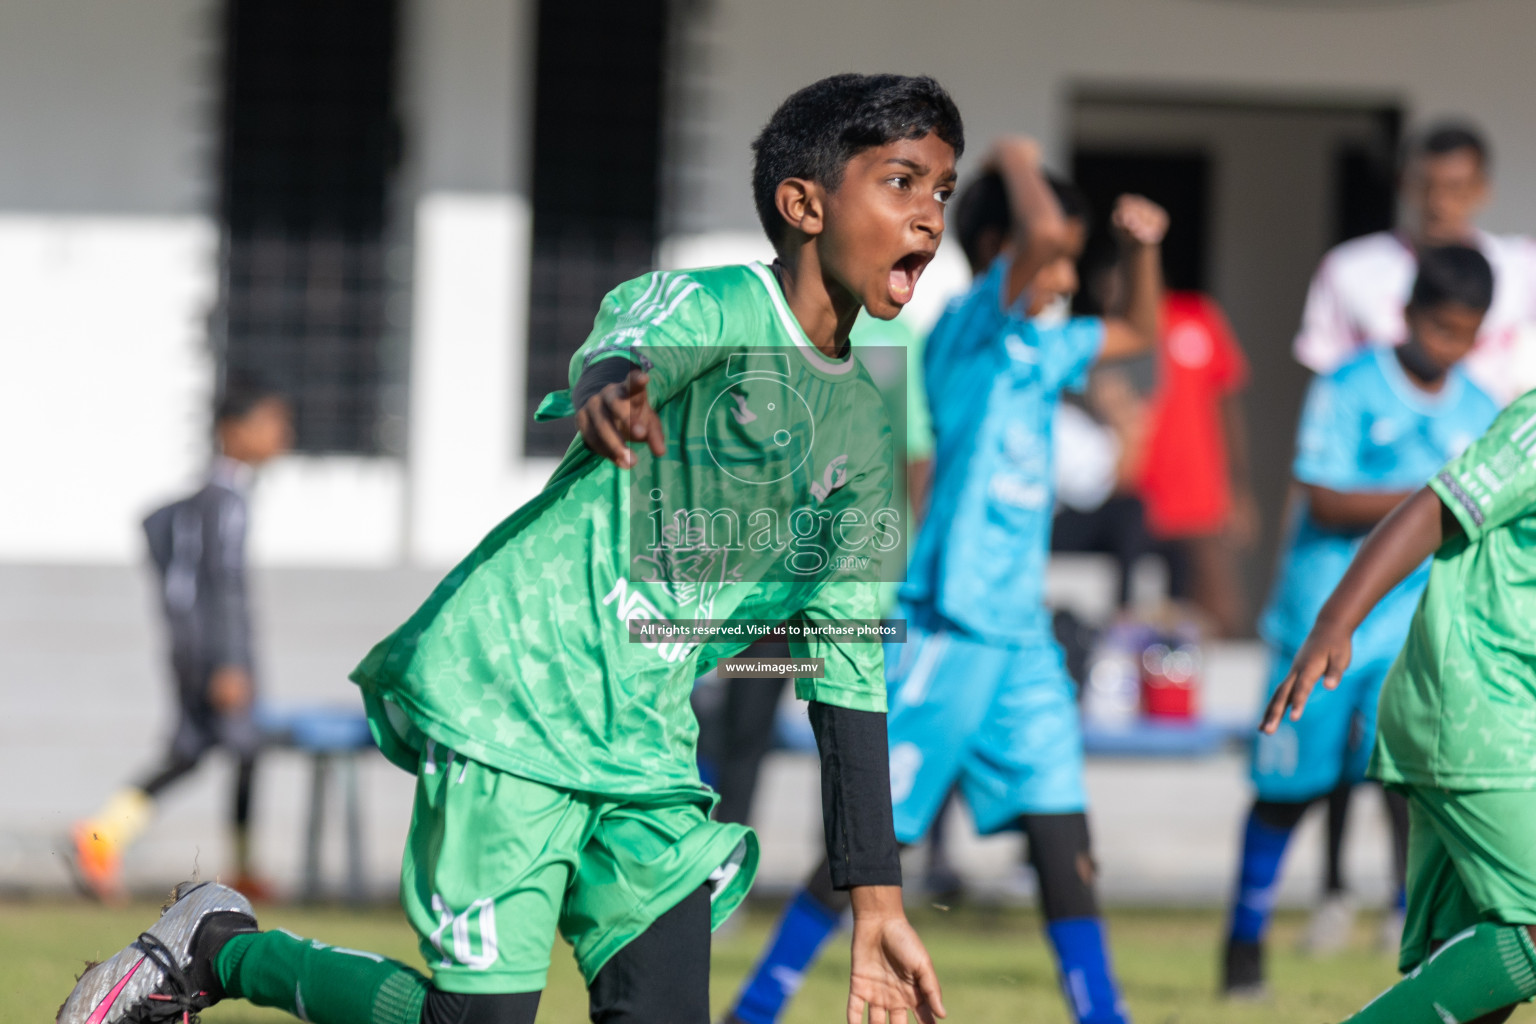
<point x="1183" y="479"/>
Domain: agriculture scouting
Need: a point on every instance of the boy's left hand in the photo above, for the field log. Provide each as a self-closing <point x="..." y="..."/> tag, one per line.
<point x="1140" y="220"/>
<point x="1324" y="655"/>
<point x="892" y="974"/>
<point x="619" y="414"/>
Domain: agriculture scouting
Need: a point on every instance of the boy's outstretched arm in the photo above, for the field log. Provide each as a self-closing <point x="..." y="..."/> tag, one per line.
<point x="1346" y="509"/>
<point x="891" y="973"/>
<point x="1409" y="534"/>
<point x="1040" y="230"/>
<point x="612" y="408"/>
<point x="1141" y="225"/>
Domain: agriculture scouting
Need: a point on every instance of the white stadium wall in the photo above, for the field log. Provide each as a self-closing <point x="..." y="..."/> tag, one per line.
<point x="106" y="271"/>
<point x="107" y="251"/>
<point x="1012" y="66"/>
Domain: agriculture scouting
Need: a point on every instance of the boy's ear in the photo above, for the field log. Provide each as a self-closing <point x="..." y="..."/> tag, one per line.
<point x="801" y="203"/>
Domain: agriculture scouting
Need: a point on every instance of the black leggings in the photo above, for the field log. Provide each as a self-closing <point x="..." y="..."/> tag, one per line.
<point x="178" y="764"/>
<point x="662" y="977"/>
<point x="1059" y="851"/>
<point x="1338" y="812"/>
<point x="1285" y="815"/>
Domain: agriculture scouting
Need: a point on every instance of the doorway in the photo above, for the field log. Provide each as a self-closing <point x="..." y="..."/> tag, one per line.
<point x="1257" y="189"/>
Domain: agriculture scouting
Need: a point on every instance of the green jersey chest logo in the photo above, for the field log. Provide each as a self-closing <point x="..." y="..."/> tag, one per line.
<point x="833" y="477"/>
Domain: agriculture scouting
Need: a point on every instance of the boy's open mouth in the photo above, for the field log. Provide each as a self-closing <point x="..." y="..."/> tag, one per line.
<point x="905" y="273"/>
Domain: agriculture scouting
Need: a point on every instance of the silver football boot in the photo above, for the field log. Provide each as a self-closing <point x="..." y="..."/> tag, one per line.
<point x="166" y="974"/>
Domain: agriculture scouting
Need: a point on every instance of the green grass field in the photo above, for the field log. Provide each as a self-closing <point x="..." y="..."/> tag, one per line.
<point x="994" y="965"/>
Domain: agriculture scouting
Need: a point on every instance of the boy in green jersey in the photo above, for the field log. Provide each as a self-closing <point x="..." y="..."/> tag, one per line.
<point x="1456" y="732"/>
<point x="734" y="463"/>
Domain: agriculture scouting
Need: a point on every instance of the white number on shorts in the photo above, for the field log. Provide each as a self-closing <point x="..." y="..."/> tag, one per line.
<point x="463" y="946"/>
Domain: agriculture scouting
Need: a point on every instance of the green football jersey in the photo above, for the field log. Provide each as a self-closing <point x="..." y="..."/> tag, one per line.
<point x="773" y="503"/>
<point x="893" y="354"/>
<point x="901" y="386"/>
<point x="1458" y="709"/>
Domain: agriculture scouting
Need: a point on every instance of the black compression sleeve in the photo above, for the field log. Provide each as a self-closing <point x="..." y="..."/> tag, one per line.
<point x="856" y="796"/>
<point x="598" y="375"/>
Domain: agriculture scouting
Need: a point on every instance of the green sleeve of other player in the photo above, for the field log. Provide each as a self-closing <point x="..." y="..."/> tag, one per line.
<point x="919" y="426"/>
<point x="1457" y="709"/>
<point x="1493" y="482"/>
<point x="854" y="675"/>
<point x="869" y="332"/>
<point x="666" y="322"/>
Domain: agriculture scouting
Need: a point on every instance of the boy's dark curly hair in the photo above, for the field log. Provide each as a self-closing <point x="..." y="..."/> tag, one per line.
<point x="819" y="129"/>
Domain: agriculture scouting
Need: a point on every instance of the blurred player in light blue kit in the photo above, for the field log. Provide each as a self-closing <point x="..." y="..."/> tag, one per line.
<point x="980" y="698"/>
<point x="1371" y="433"/>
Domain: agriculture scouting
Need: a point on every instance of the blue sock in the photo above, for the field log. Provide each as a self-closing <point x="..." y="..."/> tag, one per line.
<point x="1263" y="849"/>
<point x="709" y="772"/>
<point x="1082" y="955"/>
<point x="806" y="924"/>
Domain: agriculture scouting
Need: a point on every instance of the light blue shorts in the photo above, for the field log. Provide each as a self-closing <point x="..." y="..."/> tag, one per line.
<point x="1332" y="742"/>
<point x="1000" y="722"/>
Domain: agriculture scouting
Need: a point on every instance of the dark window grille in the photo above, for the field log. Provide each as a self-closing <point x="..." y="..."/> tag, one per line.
<point x="598" y="104"/>
<point x="309" y="142"/>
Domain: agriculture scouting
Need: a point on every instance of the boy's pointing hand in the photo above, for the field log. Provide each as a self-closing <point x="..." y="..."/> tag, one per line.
<point x="1140" y="220"/>
<point x="1324" y="655"/>
<point x="618" y="414"/>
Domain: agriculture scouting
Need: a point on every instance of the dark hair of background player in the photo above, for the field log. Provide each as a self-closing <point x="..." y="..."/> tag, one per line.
<point x="819" y="129"/>
<point x="240" y="394"/>
<point x="1452" y="274"/>
<point x="981" y="210"/>
<point x="1449" y="137"/>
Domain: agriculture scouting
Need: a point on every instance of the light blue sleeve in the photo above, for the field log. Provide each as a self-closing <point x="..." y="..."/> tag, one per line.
<point x="1329" y="436"/>
<point x="969" y="323"/>
<point x="1068" y="352"/>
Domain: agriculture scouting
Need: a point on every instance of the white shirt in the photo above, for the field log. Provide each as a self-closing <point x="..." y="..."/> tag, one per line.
<point x="1359" y="290"/>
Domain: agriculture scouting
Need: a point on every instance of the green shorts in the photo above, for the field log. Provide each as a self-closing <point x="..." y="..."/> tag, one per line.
<point x="1471" y="858"/>
<point x="496" y="864"/>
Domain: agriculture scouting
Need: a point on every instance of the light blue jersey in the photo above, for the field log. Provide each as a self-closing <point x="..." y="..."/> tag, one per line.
<point x="993" y="379"/>
<point x="1366" y="427"/>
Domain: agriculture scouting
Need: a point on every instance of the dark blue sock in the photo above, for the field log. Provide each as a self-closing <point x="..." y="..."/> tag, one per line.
<point x="806" y="924"/>
<point x="1082" y="956"/>
<point x="1263" y="849"/>
<point x="709" y="772"/>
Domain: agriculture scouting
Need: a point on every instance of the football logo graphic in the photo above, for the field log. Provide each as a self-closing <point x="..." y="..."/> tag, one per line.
<point x="760" y="430"/>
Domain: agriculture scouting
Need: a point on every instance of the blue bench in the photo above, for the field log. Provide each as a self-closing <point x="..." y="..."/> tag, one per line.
<point x="1171" y="738"/>
<point x="333" y="737"/>
<point x="1146" y="737"/>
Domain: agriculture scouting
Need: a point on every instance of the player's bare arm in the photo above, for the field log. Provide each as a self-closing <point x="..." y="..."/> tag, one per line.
<point x="1344" y="510"/>
<point x="1040" y="230"/>
<point x="618" y="414"/>
<point x="1243" y="521"/>
<point x="892" y="974"/>
<point x="1140" y="225"/>
<point x="1408" y="535"/>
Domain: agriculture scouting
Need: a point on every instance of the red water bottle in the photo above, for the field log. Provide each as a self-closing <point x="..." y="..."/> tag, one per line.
<point x="1170" y="680"/>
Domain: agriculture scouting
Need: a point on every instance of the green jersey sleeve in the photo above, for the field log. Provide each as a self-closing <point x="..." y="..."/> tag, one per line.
<point x="919" y="425"/>
<point x="854" y="675"/>
<point x="666" y="322"/>
<point x="1494" y="480"/>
